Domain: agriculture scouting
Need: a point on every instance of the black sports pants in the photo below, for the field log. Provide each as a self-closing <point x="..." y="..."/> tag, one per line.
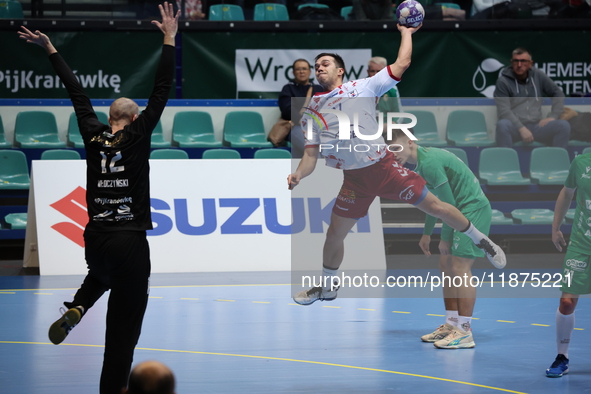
<point x="119" y="261"/>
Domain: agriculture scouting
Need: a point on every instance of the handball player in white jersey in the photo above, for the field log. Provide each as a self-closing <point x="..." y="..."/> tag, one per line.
<point x="370" y="173"/>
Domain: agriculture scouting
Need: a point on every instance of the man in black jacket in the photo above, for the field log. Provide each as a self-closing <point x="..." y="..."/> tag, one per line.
<point x="118" y="202"/>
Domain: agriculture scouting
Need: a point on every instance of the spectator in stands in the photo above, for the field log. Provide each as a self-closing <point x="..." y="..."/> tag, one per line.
<point x="299" y="87"/>
<point x="389" y="102"/>
<point x="150" y="377"/>
<point x="518" y="96"/>
<point x="193" y="9"/>
<point x="118" y="206"/>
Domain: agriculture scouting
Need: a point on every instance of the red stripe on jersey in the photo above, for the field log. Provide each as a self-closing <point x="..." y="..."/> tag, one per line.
<point x="392" y="75"/>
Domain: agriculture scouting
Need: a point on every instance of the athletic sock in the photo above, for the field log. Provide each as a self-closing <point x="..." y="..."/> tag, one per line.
<point x="327" y="272"/>
<point x="474" y="234"/>
<point x="564" y="329"/>
<point x="465" y="323"/>
<point x="451" y="318"/>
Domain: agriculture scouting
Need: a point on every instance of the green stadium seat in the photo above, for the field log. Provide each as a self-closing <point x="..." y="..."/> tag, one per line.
<point x="570" y="216"/>
<point x="426" y="129"/>
<point x="313" y="5"/>
<point x="449" y="5"/>
<point x="157" y="139"/>
<point x="37" y="129"/>
<point x="270" y="12"/>
<point x="3" y="143"/>
<point x="500" y="166"/>
<point x="194" y="129"/>
<point x="169" y="154"/>
<point x="226" y="12"/>
<point x="467" y="128"/>
<point x="532" y="216"/>
<point x="245" y="129"/>
<point x="14" y="170"/>
<point x="272" y="154"/>
<point x="579" y="143"/>
<point x="221" y="154"/>
<point x="16" y="221"/>
<point x="549" y="165"/>
<point x="74" y="136"/>
<point x="459" y="152"/>
<point x="60" y="154"/>
<point x="499" y="218"/>
<point x="10" y="9"/>
<point x="346" y="11"/>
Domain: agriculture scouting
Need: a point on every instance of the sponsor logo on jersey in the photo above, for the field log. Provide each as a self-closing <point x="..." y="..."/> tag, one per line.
<point x="407" y="194"/>
<point x="585" y="176"/>
<point x="587" y="233"/>
<point x="576" y="265"/>
<point x="588" y="204"/>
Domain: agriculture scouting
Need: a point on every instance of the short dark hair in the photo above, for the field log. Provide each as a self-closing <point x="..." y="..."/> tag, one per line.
<point x="150" y="384"/>
<point x="300" y="60"/>
<point x="337" y="59"/>
<point x="520" y="51"/>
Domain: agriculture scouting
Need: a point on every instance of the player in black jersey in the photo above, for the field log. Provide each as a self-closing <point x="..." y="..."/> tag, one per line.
<point x="118" y="201"/>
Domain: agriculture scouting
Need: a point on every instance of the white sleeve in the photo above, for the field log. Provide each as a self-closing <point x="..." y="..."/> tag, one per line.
<point x="314" y="138"/>
<point x="380" y="83"/>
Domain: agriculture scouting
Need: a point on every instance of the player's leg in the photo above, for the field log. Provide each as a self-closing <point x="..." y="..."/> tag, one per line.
<point x="332" y="257"/>
<point x="93" y="287"/>
<point x="456" y="220"/>
<point x="129" y="272"/>
<point x="461" y="335"/>
<point x="554" y="133"/>
<point x="576" y="272"/>
<point x="450" y="301"/>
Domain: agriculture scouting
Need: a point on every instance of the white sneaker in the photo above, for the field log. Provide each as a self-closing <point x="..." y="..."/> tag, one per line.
<point x="493" y="252"/>
<point x="441" y="332"/>
<point x="307" y="297"/>
<point x="457" y="339"/>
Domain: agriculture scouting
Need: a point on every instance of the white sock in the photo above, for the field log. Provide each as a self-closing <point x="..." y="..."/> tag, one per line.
<point x="326" y="285"/>
<point x="474" y="234"/>
<point x="564" y="329"/>
<point x="465" y="323"/>
<point x="451" y="318"/>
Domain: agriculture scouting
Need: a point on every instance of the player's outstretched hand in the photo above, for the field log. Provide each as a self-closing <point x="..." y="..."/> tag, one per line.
<point x="411" y="29"/>
<point x="170" y="21"/>
<point x="36" y="38"/>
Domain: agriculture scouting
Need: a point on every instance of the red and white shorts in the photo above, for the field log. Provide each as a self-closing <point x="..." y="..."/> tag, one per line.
<point x="386" y="178"/>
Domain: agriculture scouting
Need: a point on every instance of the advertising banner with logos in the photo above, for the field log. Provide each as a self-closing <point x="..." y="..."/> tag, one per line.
<point x="27" y="73"/>
<point x="444" y="64"/>
<point x="208" y="216"/>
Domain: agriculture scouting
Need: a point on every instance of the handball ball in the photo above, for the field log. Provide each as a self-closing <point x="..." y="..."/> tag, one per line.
<point x="410" y="13"/>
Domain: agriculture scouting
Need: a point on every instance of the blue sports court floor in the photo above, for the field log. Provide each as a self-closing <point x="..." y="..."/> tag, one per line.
<point x="241" y="332"/>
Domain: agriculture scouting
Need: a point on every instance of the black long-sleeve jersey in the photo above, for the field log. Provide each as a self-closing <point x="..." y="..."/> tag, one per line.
<point x="117" y="173"/>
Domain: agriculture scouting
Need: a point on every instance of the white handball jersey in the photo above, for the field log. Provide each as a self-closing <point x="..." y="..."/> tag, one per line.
<point x="355" y="99"/>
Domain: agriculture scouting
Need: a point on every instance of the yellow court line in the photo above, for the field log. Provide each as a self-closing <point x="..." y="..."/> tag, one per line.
<point x="505" y="321"/>
<point x="330" y="306"/>
<point x="287" y="359"/>
<point x="400" y="312"/>
<point x="579" y="329"/>
<point x="261" y="302"/>
<point x="365" y="309"/>
<point x="540" y="325"/>
<point x="431" y="314"/>
<point x="154" y="297"/>
<point x="219" y="299"/>
<point x="7" y="292"/>
<point x="190" y="299"/>
<point x="475" y="318"/>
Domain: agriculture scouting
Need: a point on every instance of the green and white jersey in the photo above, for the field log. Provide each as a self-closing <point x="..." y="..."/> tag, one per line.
<point x="452" y="181"/>
<point x="579" y="177"/>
